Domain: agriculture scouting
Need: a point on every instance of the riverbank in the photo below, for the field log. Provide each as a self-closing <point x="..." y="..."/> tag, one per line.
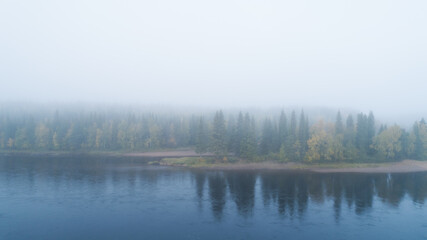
<point x="154" y="154"/>
<point x="190" y="159"/>
<point x="173" y="153"/>
<point x="393" y="167"/>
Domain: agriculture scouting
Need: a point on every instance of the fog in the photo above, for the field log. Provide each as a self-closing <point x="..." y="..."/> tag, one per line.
<point x="362" y="55"/>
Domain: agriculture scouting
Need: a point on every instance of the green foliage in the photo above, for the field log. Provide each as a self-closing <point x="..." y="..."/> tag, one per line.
<point x="388" y="144"/>
<point x="283" y="129"/>
<point x="324" y="145"/>
<point x="303" y="136"/>
<point x="365" y="131"/>
<point x="248" y="144"/>
<point x="218" y="143"/>
<point x="202" y="140"/>
<point x="267" y="139"/>
<point x="339" y="126"/>
<point x="419" y="136"/>
<point x="248" y="138"/>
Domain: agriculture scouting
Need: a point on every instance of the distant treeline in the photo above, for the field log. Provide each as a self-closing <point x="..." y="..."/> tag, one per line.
<point x="282" y="138"/>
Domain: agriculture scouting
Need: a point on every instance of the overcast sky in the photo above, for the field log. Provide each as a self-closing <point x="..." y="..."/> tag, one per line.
<point x="364" y="54"/>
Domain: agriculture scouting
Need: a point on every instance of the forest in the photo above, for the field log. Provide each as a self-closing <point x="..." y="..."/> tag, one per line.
<point x="283" y="137"/>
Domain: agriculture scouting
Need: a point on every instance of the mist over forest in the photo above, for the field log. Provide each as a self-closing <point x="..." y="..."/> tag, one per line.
<point x="301" y="135"/>
<point x="143" y="76"/>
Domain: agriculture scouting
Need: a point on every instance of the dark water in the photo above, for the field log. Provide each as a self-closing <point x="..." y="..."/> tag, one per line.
<point x="99" y="198"/>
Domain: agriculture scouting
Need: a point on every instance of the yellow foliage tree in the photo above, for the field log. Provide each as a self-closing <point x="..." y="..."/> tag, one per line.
<point x="387" y="143"/>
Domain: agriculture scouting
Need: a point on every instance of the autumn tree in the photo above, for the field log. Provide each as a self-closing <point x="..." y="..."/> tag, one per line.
<point x="387" y="143"/>
<point x="323" y="144"/>
<point x="420" y="140"/>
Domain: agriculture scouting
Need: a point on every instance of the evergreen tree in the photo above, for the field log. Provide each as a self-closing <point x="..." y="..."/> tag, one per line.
<point x="371" y="132"/>
<point x="219" y="136"/>
<point x="248" y="145"/>
<point x="349" y="141"/>
<point x="275" y="146"/>
<point x="267" y="137"/>
<point x="349" y="131"/>
<point x="238" y="135"/>
<point x="283" y="128"/>
<point x="339" y="126"/>
<point x="303" y="134"/>
<point x="420" y="140"/>
<point x="202" y="139"/>
<point x="362" y="133"/>
<point x="292" y="145"/>
<point x="231" y="133"/>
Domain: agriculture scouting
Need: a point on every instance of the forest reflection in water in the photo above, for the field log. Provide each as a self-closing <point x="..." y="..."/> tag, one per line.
<point x="288" y="192"/>
<point x="291" y="192"/>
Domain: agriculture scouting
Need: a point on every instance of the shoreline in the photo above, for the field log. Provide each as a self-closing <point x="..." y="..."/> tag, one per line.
<point x="179" y="158"/>
<point x="405" y="166"/>
<point x="164" y="154"/>
<point x="159" y="153"/>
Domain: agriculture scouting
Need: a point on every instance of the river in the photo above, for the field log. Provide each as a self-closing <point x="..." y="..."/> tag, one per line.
<point x="83" y="197"/>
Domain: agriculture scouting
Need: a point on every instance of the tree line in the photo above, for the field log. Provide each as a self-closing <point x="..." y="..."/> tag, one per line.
<point x="285" y="137"/>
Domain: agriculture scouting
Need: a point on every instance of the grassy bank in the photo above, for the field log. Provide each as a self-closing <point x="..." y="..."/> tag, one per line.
<point x="235" y="164"/>
<point x="189" y="158"/>
<point x="197" y="162"/>
<point x="211" y="162"/>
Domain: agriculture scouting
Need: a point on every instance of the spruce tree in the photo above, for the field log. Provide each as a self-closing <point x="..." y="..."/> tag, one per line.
<point x="371" y="133"/>
<point x="283" y="128"/>
<point x="202" y="140"/>
<point x="292" y="144"/>
<point x="339" y="126"/>
<point x="302" y="135"/>
<point x="248" y="144"/>
<point x="219" y="136"/>
<point x="238" y="135"/>
<point x="267" y="137"/>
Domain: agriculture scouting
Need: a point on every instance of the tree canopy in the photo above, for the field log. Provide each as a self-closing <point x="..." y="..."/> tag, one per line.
<point x="247" y="136"/>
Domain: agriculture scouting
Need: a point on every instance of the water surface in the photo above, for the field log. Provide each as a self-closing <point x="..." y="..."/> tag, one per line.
<point x="124" y="198"/>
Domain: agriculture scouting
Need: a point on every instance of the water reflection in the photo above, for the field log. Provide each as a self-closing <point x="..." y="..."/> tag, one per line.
<point x="217" y="193"/>
<point x="242" y="190"/>
<point x="290" y="194"/>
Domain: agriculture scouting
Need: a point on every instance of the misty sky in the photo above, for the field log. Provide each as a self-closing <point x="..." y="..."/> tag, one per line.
<point x="368" y="55"/>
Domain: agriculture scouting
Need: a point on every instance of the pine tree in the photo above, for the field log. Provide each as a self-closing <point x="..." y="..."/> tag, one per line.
<point x="219" y="136"/>
<point x="303" y="135"/>
<point x="283" y="128"/>
<point x="267" y="137"/>
<point x="350" y="151"/>
<point x="339" y="126"/>
<point x="248" y="144"/>
<point x="371" y="133"/>
<point x="420" y="140"/>
<point x="362" y="133"/>
<point x="202" y="140"/>
<point x="238" y="135"/>
<point x="292" y="144"/>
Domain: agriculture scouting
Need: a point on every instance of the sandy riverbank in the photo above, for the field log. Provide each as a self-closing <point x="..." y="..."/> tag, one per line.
<point x="182" y="153"/>
<point x="395" y="167"/>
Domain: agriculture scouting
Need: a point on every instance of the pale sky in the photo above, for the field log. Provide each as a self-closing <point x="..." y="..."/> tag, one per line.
<point x="364" y="54"/>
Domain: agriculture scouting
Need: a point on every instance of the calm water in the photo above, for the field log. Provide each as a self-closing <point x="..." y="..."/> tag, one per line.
<point x="107" y="198"/>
